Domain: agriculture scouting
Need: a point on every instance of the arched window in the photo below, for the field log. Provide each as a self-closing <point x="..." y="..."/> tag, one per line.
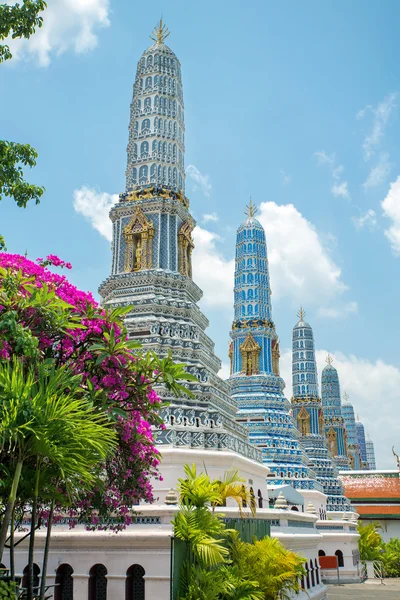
<point x="25" y="578"/>
<point x="260" y="499"/>
<point x="144" y="149"/>
<point x="243" y="311"/>
<point x="148" y="81"/>
<point x="153" y="173"/>
<point x="250" y="294"/>
<point x="156" y="78"/>
<point x="169" y="176"/>
<point x="249" y="262"/>
<point x="149" y="61"/>
<point x="134" y="150"/>
<point x="294" y="508"/>
<point x="98" y="583"/>
<point x="250" y="310"/>
<point x="134" y="586"/>
<point x="64" y="589"/>
<point x="134" y="175"/>
<point x="143" y="174"/>
<point x="321" y="553"/>
<point x="147" y="103"/>
<point x="154" y="146"/>
<point x="256" y="309"/>
<point x="339" y="554"/>
<point x="145" y="125"/>
<point x="174" y="173"/>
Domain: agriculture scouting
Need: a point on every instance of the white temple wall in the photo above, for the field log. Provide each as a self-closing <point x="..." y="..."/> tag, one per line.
<point x="215" y="463"/>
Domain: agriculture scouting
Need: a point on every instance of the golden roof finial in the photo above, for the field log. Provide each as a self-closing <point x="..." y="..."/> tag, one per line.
<point x="345" y="396"/>
<point x="301" y="314"/>
<point x="251" y="209"/>
<point x="160" y="33"/>
<point x="358" y="417"/>
<point x="329" y="359"/>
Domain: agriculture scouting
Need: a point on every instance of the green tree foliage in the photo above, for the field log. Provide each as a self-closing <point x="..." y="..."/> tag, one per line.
<point x="218" y="565"/>
<point x="18" y="21"/>
<point x="370" y="543"/>
<point x="391" y="558"/>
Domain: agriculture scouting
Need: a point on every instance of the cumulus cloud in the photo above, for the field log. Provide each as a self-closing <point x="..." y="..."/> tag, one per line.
<point x="95" y="206"/>
<point x="224" y="372"/>
<point x="339" y="188"/>
<point x="373" y="389"/>
<point x="67" y="25"/>
<point x="391" y="209"/>
<point x="292" y="240"/>
<point x="212" y="217"/>
<point x="380" y="117"/>
<point x="379" y="173"/>
<point x="201" y="181"/>
<point x="366" y="220"/>
<point x="212" y="272"/>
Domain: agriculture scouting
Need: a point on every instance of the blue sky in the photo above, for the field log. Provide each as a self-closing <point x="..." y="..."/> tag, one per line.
<point x="294" y="104"/>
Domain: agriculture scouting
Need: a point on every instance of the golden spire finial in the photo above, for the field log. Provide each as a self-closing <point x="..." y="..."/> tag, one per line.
<point x="358" y="417"/>
<point x="251" y="209"/>
<point x="329" y="359"/>
<point x="160" y="33"/>
<point x="301" y="314"/>
<point x="345" y="396"/>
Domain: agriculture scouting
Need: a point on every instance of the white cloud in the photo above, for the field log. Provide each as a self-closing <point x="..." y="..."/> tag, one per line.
<point x="224" y="372"/>
<point x="291" y="241"/>
<point x="391" y="209"/>
<point x="212" y="217"/>
<point x="339" y="188"/>
<point x="367" y="219"/>
<point x="67" y="25"/>
<point x="381" y="114"/>
<point x="379" y="173"/>
<point x="201" y="181"/>
<point x="95" y="206"/>
<point x="373" y="389"/>
<point x="212" y="272"/>
<point x="339" y="313"/>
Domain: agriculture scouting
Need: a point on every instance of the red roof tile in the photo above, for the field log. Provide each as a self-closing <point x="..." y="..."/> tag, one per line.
<point x="372" y="486"/>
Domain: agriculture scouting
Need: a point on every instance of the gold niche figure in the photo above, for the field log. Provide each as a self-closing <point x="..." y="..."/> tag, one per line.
<point x="250" y="355"/>
<point x="332" y="441"/>
<point x="303" y="422"/>
<point x="321" y="422"/>
<point x="275" y="356"/>
<point x="230" y="354"/>
<point x="138" y="236"/>
<point x="185" y="249"/>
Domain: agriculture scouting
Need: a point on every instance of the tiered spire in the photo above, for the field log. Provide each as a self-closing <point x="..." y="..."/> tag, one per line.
<point x="255" y="383"/>
<point x="369" y="445"/>
<point x="352" y="442"/>
<point x="360" y="432"/>
<point x="308" y="413"/>
<point x="335" y="429"/>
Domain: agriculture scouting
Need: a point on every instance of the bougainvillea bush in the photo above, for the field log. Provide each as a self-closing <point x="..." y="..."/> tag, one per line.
<point x="45" y="318"/>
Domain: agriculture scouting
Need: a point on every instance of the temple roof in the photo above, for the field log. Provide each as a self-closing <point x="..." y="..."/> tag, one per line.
<point x="372" y="485"/>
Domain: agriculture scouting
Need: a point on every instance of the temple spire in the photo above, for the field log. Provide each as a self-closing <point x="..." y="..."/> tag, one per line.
<point x="160" y="32"/>
<point x="329" y="360"/>
<point x="301" y="314"/>
<point x="251" y="210"/>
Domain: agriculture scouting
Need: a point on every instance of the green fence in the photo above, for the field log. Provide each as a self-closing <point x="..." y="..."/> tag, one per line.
<point x="249" y="529"/>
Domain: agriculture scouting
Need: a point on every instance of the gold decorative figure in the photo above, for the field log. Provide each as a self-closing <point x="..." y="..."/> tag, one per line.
<point x="185" y="249"/>
<point x="301" y="314"/>
<point x="329" y="360"/>
<point x="160" y="33"/>
<point x="250" y="351"/>
<point x="251" y="209"/>
<point x="332" y="441"/>
<point x="138" y="255"/>
<point x="275" y="356"/>
<point x="303" y="422"/>
<point x="321" y="422"/>
<point x="397" y="458"/>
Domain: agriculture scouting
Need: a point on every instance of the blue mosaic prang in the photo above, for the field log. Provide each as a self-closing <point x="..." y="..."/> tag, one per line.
<point x="334" y="421"/>
<point x="255" y="383"/>
<point x="165" y="315"/>
<point x="352" y="442"/>
<point x="309" y="416"/>
<point x="369" y="447"/>
<point x="156" y="145"/>
<point x="360" y="432"/>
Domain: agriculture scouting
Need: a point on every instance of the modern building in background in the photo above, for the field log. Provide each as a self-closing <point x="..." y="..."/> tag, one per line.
<point x="369" y="446"/>
<point x="311" y="421"/>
